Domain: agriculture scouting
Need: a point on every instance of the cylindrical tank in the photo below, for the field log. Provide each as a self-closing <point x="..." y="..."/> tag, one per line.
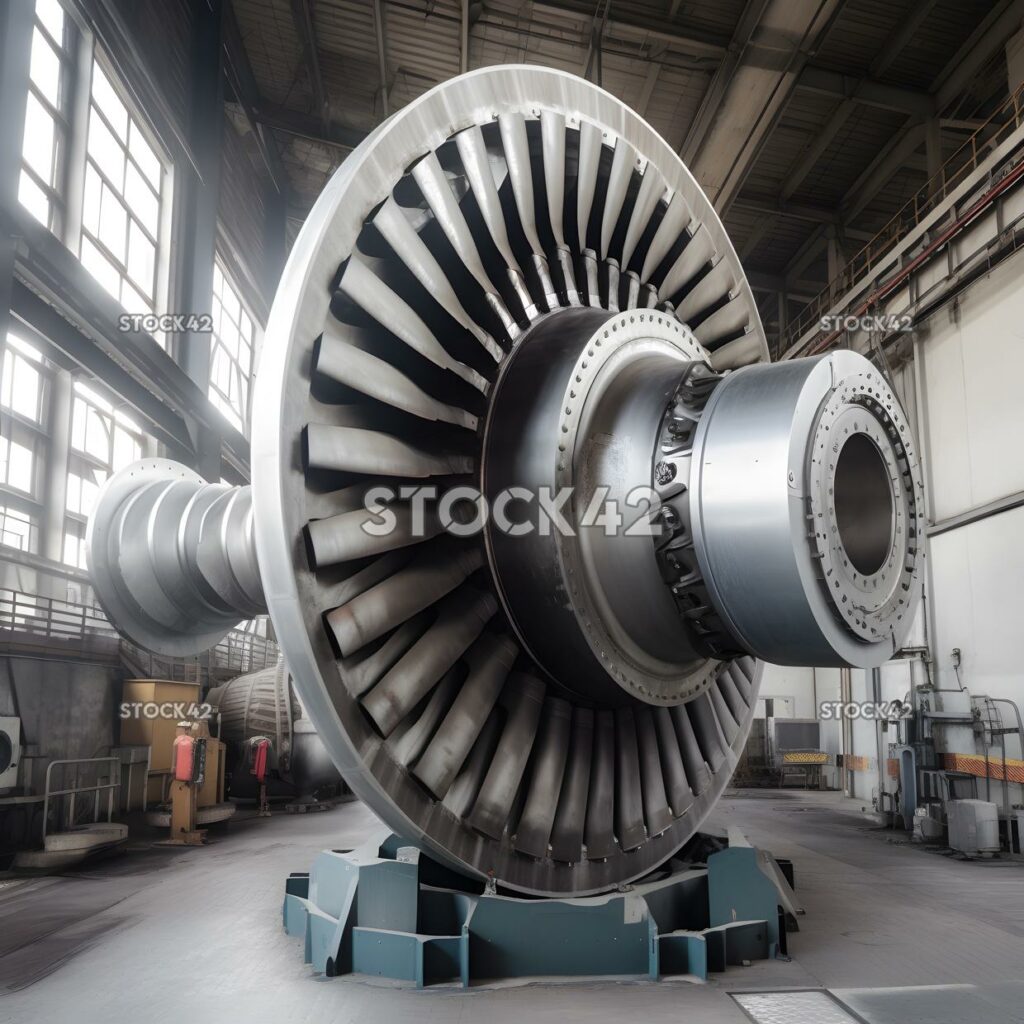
<point x="265" y="703"/>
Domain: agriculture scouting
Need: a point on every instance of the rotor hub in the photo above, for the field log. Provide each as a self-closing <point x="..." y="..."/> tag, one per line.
<point x="573" y="426"/>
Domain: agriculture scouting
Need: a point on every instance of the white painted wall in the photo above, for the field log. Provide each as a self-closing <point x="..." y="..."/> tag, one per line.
<point x="978" y="583"/>
<point x="973" y="366"/>
<point x="972" y="369"/>
<point x="798" y="683"/>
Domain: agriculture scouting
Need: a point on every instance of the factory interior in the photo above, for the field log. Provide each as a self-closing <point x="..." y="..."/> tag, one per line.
<point x="524" y="519"/>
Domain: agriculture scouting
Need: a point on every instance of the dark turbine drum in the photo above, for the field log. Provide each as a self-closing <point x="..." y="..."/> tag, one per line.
<point x="515" y="286"/>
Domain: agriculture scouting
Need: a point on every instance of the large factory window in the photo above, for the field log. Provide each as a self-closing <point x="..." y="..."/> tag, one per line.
<point x="24" y="376"/>
<point x="21" y="380"/>
<point x="124" y="186"/>
<point x="103" y="440"/>
<point x="46" y="113"/>
<point x="18" y="529"/>
<point x="231" y="353"/>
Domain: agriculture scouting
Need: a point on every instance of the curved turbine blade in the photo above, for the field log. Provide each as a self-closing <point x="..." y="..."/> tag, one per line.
<point x="373" y="296"/>
<point x="460" y="619"/>
<point x="366" y="373"/>
<point x="489" y="660"/>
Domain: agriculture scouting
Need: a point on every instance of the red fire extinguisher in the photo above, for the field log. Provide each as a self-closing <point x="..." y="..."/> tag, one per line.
<point x="189" y="759"/>
<point x="184" y="759"/>
<point x="259" y="757"/>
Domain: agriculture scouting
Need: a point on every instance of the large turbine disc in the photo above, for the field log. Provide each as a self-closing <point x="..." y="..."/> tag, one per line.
<point x="486" y="205"/>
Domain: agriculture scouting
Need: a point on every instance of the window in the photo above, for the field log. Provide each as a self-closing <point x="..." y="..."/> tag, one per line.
<point x="121" y="207"/>
<point x="21" y="379"/>
<point x="104" y="434"/>
<point x="24" y="393"/>
<point x="103" y="440"/>
<point x="75" y="548"/>
<point x="17" y="466"/>
<point x="45" y="141"/>
<point x="17" y="529"/>
<point x="231" y="351"/>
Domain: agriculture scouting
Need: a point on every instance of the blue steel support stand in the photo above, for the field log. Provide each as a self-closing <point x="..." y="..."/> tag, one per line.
<point x="386" y="909"/>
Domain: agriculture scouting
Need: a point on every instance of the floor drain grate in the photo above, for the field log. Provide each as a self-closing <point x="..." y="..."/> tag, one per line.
<point x="793" y="1008"/>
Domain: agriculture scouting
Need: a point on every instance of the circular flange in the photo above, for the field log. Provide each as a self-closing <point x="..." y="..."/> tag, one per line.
<point x="866" y="533"/>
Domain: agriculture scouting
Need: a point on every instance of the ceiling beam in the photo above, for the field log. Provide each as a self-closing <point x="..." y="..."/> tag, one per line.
<point x="866" y="91"/>
<point x="898" y="40"/>
<point x="242" y="82"/>
<point x="382" y="63"/>
<point x="969" y="125"/>
<point x="874" y="177"/>
<point x="722" y="79"/>
<point x="650" y="81"/>
<point x="998" y="25"/>
<point x="302" y="15"/>
<point x="816" y="150"/>
<point x="633" y="31"/>
<point x="753" y="240"/>
<point x="989" y="37"/>
<point x="594" y="46"/>
<point x="464" y="39"/>
<point x="807" y="253"/>
<point x="901" y="37"/>
<point x="768" y="211"/>
<point x="307" y="126"/>
<point x="758" y="93"/>
<point x="880" y="171"/>
<point x="901" y="151"/>
<point x="770" y="208"/>
<point x="799" y="291"/>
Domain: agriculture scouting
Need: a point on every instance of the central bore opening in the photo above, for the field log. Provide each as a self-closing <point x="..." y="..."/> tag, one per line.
<point x="863" y="501"/>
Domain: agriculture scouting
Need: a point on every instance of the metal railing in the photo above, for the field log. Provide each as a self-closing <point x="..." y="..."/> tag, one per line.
<point x="142" y="664"/>
<point x="238" y="652"/>
<point x="242" y="651"/>
<point x="63" y="628"/>
<point x="79" y="788"/>
<point x="37" y="626"/>
<point x="925" y="201"/>
<point x="50" y="617"/>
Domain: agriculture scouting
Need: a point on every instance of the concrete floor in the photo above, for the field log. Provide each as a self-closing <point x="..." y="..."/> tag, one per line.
<point x="896" y="933"/>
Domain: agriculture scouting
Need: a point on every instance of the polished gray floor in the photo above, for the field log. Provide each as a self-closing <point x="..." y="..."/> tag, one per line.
<point x="896" y="933"/>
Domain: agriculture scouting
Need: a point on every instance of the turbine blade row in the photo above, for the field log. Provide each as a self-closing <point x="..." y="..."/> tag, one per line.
<point x="495" y="227"/>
